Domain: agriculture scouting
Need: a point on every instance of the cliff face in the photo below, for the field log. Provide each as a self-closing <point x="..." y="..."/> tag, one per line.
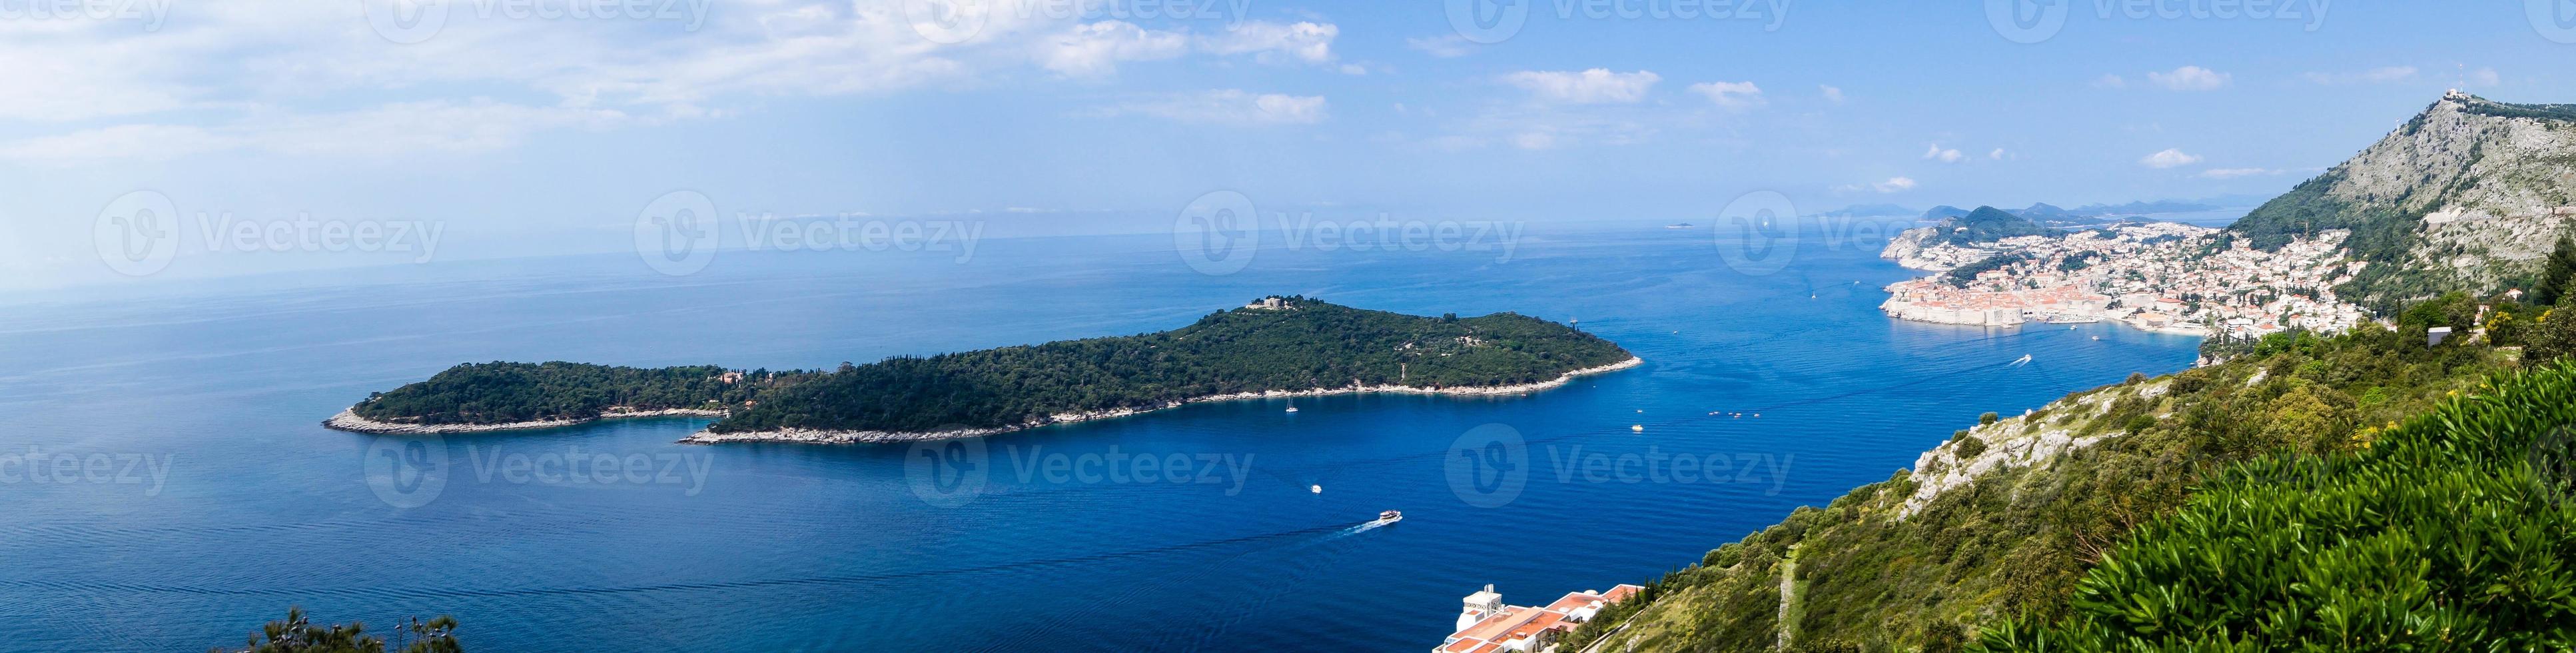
<point x="2469" y="195"/>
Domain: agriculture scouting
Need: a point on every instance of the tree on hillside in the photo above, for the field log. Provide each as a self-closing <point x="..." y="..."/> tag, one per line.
<point x="2553" y="338"/>
<point x="2555" y="273"/>
<point x="296" y="635"/>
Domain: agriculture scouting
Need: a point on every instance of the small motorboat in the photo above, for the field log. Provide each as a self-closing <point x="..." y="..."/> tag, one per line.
<point x="1389" y="517"/>
<point x="1318" y="489"/>
<point x="1638" y="428"/>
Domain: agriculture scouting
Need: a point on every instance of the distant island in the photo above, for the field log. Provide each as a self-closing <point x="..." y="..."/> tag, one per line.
<point x="1274" y="347"/>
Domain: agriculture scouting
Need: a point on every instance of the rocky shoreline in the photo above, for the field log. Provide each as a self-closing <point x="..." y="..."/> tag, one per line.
<point x="816" y="436"/>
<point x="348" y="420"/>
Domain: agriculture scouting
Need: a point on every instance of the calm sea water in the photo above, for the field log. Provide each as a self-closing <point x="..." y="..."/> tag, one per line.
<point x="201" y="499"/>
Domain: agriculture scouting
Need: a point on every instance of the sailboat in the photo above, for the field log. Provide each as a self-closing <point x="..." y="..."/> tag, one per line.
<point x="1292" y="404"/>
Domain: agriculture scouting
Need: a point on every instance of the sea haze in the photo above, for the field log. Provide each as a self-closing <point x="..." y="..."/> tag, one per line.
<point x="778" y="547"/>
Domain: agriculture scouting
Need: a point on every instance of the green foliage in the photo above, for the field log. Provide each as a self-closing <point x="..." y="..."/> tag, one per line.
<point x="1988" y="419"/>
<point x="2552" y="338"/>
<point x="1309" y="345"/>
<point x="1963" y="275"/>
<point x="1989" y="224"/>
<point x="2452" y="532"/>
<point x="2555" y="273"/>
<point x="1967" y="446"/>
<point x="295" y="634"/>
<point x="2012" y="546"/>
<point x="499" y="392"/>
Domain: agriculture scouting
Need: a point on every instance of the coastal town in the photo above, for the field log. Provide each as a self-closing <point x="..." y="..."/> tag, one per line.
<point x="2155" y="276"/>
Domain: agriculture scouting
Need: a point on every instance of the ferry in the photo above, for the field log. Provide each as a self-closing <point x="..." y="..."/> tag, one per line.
<point x="1389" y="517"/>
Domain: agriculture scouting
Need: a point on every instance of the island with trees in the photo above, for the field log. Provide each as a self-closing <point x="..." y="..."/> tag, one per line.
<point x="1274" y="347"/>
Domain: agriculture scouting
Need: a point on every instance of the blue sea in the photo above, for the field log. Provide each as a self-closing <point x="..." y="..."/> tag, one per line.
<point x="173" y="489"/>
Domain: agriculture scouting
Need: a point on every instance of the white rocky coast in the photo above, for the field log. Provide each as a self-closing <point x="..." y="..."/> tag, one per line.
<point x="813" y="436"/>
<point x="348" y="420"/>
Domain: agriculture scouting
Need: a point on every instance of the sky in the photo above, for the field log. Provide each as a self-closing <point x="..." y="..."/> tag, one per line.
<point x="530" y="127"/>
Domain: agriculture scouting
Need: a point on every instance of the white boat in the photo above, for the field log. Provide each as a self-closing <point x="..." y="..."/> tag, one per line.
<point x="1640" y="428"/>
<point x="1318" y="489"/>
<point x="1292" y="405"/>
<point x="1389" y="517"/>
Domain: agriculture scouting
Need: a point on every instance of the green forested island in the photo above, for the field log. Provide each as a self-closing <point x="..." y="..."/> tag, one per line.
<point x="1278" y="344"/>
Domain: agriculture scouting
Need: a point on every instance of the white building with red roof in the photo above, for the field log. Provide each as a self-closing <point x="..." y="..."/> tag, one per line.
<point x="1486" y="625"/>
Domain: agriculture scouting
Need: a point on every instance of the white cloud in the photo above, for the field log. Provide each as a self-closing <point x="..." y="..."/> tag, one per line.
<point x="2170" y="158"/>
<point x="1893" y="184"/>
<point x="2110" y="81"/>
<point x="1832" y="93"/>
<point x="2189" y="78"/>
<point x="387" y="130"/>
<point x="1096" y="49"/>
<point x="1227" y="107"/>
<point x="1274" y="42"/>
<point x="2485" y="77"/>
<point x="1731" y="95"/>
<point x="1997" y="155"/>
<point x="1445" y="47"/>
<point x="251" y="75"/>
<point x="1943" y="155"/>
<point x="1595" y="86"/>
<point x="2374" y="75"/>
<point x="1534" y="140"/>
<point x="2232" y="173"/>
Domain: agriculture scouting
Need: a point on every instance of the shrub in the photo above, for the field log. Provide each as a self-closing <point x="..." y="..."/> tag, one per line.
<point x="1988" y="419"/>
